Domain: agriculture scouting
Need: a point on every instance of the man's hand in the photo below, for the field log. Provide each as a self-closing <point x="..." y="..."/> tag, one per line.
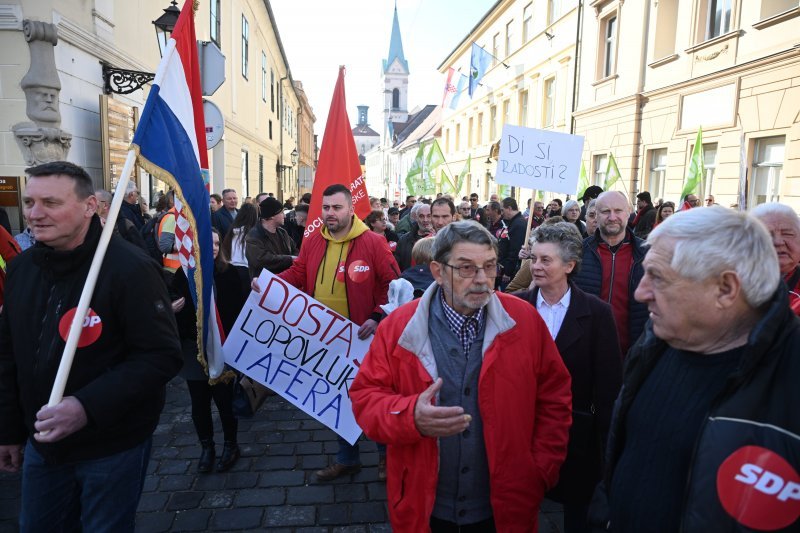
<point x="55" y="423"/>
<point x="254" y="286"/>
<point x="367" y="329"/>
<point x="433" y="421"/>
<point x="524" y="253"/>
<point x="10" y="457"/>
<point x="178" y="304"/>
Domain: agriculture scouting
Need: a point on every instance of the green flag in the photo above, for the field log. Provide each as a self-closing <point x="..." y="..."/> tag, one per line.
<point x="433" y="159"/>
<point x="612" y="173"/>
<point x="463" y="175"/>
<point x="412" y="178"/>
<point x="696" y="167"/>
<point x="583" y="182"/>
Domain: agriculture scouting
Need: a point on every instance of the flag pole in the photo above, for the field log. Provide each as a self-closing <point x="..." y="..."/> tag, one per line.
<point x="530" y="216"/>
<point x="75" y="329"/>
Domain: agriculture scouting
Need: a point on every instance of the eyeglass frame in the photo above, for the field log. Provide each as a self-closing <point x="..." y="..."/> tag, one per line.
<point x="498" y="270"/>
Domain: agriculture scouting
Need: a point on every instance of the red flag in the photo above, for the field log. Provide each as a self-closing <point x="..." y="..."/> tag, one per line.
<point x="449" y="88"/>
<point x="338" y="161"/>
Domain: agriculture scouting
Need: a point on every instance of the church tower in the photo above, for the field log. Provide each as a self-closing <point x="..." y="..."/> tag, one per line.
<point x="395" y="83"/>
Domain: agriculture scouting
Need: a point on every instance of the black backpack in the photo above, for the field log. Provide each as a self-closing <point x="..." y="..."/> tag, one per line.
<point x="150" y="235"/>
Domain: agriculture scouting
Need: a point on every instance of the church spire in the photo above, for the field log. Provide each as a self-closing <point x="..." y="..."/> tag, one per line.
<point x="395" y="46"/>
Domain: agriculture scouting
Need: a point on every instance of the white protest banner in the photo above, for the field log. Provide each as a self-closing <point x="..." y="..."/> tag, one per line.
<point x="538" y="159"/>
<point x="301" y="349"/>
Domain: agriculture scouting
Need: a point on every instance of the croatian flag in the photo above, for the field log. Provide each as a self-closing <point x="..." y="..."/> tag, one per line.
<point x="171" y="145"/>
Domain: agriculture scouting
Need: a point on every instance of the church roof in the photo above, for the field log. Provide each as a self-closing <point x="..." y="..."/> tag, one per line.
<point x="404" y="130"/>
<point x="365" y="131"/>
<point x="395" y="46"/>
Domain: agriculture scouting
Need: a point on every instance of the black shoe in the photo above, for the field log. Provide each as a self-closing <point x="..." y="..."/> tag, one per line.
<point x="230" y="454"/>
<point x="207" y="456"/>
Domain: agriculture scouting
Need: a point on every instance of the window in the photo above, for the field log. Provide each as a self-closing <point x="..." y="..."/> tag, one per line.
<point x="458" y="137"/>
<point x="395" y="98"/>
<point x="600" y="166"/>
<point x="666" y="27"/>
<point x="658" y="173"/>
<point x="527" y="23"/>
<point x="245" y="173"/>
<point x="609" y="47"/>
<point x="553" y="10"/>
<point x="270" y="130"/>
<point x="260" y="172"/>
<point x="719" y="18"/>
<point x="773" y="7"/>
<point x="710" y="164"/>
<point x="495" y="48"/>
<point x="492" y="123"/>
<point x="767" y="170"/>
<point x="479" y="136"/>
<point x="523" y="108"/>
<point x="509" y="36"/>
<point x="548" y="102"/>
<point x="469" y="132"/>
<point x="447" y="140"/>
<point x="271" y="92"/>
<point x="506" y="112"/>
<point x="245" y="45"/>
<point x="263" y="76"/>
<point x="214" y="17"/>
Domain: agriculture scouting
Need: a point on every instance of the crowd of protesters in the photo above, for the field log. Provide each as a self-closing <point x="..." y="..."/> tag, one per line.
<point x="625" y="360"/>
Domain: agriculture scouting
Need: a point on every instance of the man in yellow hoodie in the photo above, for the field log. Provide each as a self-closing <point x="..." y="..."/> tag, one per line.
<point x="348" y="268"/>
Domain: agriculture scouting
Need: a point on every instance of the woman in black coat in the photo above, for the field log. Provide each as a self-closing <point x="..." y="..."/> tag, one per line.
<point x="583" y="329"/>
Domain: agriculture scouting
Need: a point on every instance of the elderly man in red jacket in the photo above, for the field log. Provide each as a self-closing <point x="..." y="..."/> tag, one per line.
<point x="467" y="389"/>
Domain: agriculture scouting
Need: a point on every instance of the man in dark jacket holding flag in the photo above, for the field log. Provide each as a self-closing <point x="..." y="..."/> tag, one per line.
<point x="85" y="458"/>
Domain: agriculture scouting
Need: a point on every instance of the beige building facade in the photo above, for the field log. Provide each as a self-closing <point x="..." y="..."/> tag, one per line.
<point x="265" y="117"/>
<point x="652" y="73"/>
<point x="529" y="83"/>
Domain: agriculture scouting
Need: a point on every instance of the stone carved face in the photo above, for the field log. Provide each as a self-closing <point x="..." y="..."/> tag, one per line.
<point x="42" y="105"/>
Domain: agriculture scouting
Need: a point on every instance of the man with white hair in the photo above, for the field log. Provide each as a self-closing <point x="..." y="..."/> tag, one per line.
<point x="422" y="226"/>
<point x="705" y="430"/>
<point x="783" y="225"/>
<point x="130" y="208"/>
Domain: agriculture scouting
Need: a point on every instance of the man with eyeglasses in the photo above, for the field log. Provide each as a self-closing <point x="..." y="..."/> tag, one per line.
<point x="476" y="211"/>
<point x="465" y="211"/>
<point x="710" y="200"/>
<point x="468" y="390"/>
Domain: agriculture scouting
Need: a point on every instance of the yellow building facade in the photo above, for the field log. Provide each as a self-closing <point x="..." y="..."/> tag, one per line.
<point x="651" y="74"/>
<point x="529" y="83"/>
<point x="258" y="101"/>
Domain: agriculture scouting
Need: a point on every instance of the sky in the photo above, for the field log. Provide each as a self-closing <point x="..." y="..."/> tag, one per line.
<point x="320" y="35"/>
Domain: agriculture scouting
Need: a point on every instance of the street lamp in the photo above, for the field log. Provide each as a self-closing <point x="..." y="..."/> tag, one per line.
<point x="165" y="24"/>
<point x="124" y="81"/>
<point x="294" y="155"/>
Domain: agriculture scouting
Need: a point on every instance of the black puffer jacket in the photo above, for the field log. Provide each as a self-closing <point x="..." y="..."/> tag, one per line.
<point x="590" y="280"/>
<point x="757" y="408"/>
<point x="119" y="373"/>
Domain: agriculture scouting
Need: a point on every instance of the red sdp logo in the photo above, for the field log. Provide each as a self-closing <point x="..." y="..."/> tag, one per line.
<point x="358" y="271"/>
<point x="759" y="488"/>
<point x="92" y="327"/>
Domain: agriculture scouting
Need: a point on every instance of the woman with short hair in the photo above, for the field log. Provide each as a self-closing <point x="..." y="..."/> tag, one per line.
<point x="583" y="328"/>
<point x="572" y="213"/>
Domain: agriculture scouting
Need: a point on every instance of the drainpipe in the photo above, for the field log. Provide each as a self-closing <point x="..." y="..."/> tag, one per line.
<point x="639" y="102"/>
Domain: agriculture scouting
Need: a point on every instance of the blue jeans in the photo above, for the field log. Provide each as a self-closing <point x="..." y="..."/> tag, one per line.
<point x="94" y="495"/>
<point x="348" y="455"/>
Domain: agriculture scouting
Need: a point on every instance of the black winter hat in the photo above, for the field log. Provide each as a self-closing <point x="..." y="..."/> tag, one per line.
<point x="269" y="207"/>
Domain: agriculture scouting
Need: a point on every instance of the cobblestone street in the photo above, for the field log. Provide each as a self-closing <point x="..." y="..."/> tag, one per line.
<point x="272" y="486"/>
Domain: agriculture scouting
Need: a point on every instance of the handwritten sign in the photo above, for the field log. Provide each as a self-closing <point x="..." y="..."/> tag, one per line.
<point x="301" y="349"/>
<point x="539" y="159"/>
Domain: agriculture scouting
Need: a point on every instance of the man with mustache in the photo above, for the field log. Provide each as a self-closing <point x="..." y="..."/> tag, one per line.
<point x="612" y="266"/>
<point x="348" y="268"/>
<point x="467" y="389"/>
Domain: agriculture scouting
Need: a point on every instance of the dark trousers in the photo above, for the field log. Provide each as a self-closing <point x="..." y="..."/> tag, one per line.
<point x="222" y="393"/>
<point x="443" y="526"/>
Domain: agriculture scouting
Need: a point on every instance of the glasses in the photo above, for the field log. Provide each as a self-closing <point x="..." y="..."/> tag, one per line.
<point x="470" y="271"/>
<point x="709" y="200"/>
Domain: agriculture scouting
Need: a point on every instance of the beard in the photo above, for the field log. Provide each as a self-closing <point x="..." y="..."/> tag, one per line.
<point x="473" y="298"/>
<point x="605" y="230"/>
